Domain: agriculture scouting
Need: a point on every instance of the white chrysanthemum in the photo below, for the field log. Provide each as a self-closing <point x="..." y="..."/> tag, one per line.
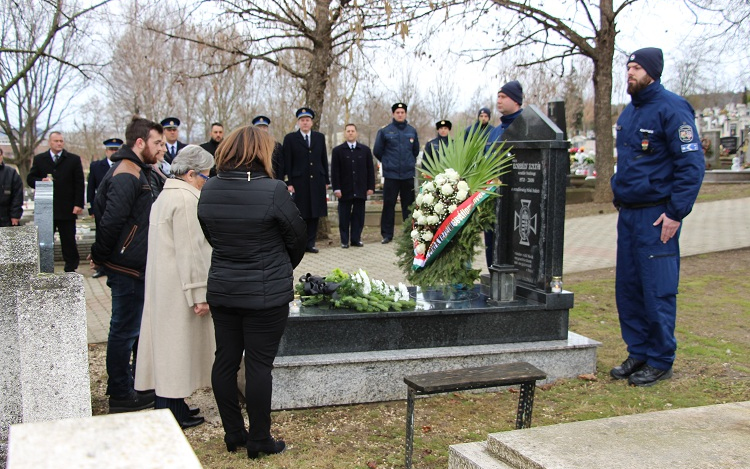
<point x="452" y="208"/>
<point x="433" y="220"/>
<point x="421" y="248"/>
<point x="428" y="199"/>
<point x="422" y="220"/>
<point x="440" y="179"/>
<point x="414" y="235"/>
<point x="446" y="189"/>
<point x="419" y="198"/>
<point x="462" y="186"/>
<point x="461" y="195"/>
<point x="452" y="174"/>
<point x="439" y="208"/>
<point x="427" y="235"/>
<point x="428" y="186"/>
<point x="417" y="213"/>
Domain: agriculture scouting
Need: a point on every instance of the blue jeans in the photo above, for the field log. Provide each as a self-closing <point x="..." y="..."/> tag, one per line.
<point x="124" y="328"/>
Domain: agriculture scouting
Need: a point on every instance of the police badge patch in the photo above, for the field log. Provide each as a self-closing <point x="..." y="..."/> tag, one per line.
<point x="686" y="133"/>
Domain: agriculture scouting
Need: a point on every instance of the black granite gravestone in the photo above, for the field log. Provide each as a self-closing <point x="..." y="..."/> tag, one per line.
<point x="531" y="212"/>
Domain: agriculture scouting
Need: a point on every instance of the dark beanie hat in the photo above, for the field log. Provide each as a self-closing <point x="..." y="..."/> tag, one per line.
<point x="513" y="90"/>
<point x="484" y="110"/>
<point x="651" y="59"/>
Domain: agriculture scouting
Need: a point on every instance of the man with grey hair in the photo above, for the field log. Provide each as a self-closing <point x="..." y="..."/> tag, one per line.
<point x="11" y="195"/>
<point x="66" y="170"/>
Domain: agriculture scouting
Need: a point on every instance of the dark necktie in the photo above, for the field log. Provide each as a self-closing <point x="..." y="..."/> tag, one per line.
<point x="56" y="157"/>
<point x="173" y="151"/>
<point x="351" y="147"/>
<point x="307" y="141"/>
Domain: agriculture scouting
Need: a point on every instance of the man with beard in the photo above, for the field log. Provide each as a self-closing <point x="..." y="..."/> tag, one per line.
<point x="396" y="147"/>
<point x="123" y="202"/>
<point x="277" y="159"/>
<point x="659" y="172"/>
<point x="483" y="122"/>
<point x="217" y="135"/>
<point x="66" y="170"/>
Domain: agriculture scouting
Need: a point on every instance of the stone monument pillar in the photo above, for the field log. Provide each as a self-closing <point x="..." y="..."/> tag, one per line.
<point x="529" y="232"/>
<point x="43" y="218"/>
<point x="44" y="372"/>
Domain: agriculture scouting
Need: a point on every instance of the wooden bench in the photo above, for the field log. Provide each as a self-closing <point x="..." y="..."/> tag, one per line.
<point x="506" y="374"/>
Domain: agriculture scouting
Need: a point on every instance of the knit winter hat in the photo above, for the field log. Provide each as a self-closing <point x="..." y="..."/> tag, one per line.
<point x="513" y="90"/>
<point x="484" y="110"/>
<point x="651" y="59"/>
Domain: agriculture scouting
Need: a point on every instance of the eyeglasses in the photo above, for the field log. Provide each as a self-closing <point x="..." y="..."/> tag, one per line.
<point x="202" y="175"/>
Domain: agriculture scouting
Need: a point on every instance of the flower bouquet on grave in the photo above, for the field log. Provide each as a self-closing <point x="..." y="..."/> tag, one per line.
<point x="449" y="215"/>
<point x="357" y="291"/>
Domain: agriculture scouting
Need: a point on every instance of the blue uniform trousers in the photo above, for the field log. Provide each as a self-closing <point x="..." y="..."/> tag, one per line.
<point x="646" y="286"/>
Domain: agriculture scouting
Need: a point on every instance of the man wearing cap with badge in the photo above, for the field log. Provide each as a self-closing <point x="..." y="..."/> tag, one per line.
<point x="306" y="166"/>
<point x="277" y="159"/>
<point x="660" y="168"/>
<point x="97" y="170"/>
<point x="443" y="129"/>
<point x="396" y="147"/>
<point x="171" y="127"/>
<point x="483" y="122"/>
<point x="509" y="102"/>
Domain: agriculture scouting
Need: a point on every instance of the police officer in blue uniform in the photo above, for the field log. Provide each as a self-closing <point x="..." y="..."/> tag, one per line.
<point x="659" y="173"/>
<point x="443" y="129"/>
<point x="396" y="147"/>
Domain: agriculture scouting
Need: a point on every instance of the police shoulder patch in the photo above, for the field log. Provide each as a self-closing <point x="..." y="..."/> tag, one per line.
<point x="685" y="133"/>
<point x="689" y="147"/>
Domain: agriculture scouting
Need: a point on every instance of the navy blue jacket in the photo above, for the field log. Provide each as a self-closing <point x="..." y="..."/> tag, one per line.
<point x="97" y="170"/>
<point x="123" y="205"/>
<point x="11" y="195"/>
<point x="496" y="134"/>
<point x="659" y="155"/>
<point x="431" y="148"/>
<point x="396" y="147"/>
<point x="486" y="128"/>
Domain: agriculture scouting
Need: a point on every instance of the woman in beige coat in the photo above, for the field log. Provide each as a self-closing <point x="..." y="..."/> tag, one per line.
<point x="176" y="346"/>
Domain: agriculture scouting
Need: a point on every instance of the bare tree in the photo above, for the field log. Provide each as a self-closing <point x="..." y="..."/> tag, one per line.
<point x="42" y="64"/>
<point x="588" y="28"/>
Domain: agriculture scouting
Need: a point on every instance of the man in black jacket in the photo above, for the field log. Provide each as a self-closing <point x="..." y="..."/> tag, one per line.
<point x="306" y="165"/>
<point x="123" y="202"/>
<point x="11" y="195"/>
<point x="217" y="135"/>
<point x="353" y="179"/>
<point x="65" y="169"/>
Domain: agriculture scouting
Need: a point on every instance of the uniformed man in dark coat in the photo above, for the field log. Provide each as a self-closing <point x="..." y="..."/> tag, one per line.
<point x="97" y="170"/>
<point x="11" y="195"/>
<point x="277" y="159"/>
<point x="306" y="166"/>
<point x="171" y="127"/>
<point x="66" y="170"/>
<point x="353" y="179"/>
<point x="443" y="129"/>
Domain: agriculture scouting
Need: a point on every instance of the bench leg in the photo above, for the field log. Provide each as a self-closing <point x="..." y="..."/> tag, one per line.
<point x="525" y="405"/>
<point x="409" y="428"/>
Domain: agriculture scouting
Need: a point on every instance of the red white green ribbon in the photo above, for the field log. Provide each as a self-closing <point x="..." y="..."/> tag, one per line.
<point x="448" y="229"/>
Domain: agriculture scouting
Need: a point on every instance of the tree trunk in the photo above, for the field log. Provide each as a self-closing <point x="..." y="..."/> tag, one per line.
<point x="605" y="49"/>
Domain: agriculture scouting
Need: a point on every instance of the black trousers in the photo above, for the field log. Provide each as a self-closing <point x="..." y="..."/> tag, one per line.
<point x="312" y="231"/>
<point x="179" y="407"/>
<point x="392" y="188"/>
<point x="351" y="220"/>
<point x="67" y="231"/>
<point x="257" y="333"/>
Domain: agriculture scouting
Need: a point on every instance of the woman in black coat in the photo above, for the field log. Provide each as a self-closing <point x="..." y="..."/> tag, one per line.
<point x="258" y="238"/>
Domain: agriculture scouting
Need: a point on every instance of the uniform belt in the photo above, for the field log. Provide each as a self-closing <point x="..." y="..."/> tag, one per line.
<point x="663" y="201"/>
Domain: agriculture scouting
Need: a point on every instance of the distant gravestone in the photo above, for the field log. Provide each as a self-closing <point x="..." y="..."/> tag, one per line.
<point x="713" y="136"/>
<point x="531" y="212"/>
<point x="44" y="365"/>
<point x="44" y="219"/>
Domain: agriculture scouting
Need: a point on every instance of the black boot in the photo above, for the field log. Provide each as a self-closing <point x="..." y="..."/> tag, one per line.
<point x="269" y="446"/>
<point x="235" y="440"/>
<point x="628" y="367"/>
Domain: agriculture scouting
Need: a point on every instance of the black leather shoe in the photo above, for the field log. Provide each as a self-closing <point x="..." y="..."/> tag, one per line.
<point x="648" y="376"/>
<point x="191" y="422"/>
<point x="131" y="403"/>
<point x="235" y="440"/>
<point x="628" y="367"/>
<point x="98" y="273"/>
<point x="344" y="246"/>
<point x="269" y="446"/>
<point x="193" y="411"/>
<point x="313" y="250"/>
<point x="358" y="244"/>
<point x="386" y="240"/>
